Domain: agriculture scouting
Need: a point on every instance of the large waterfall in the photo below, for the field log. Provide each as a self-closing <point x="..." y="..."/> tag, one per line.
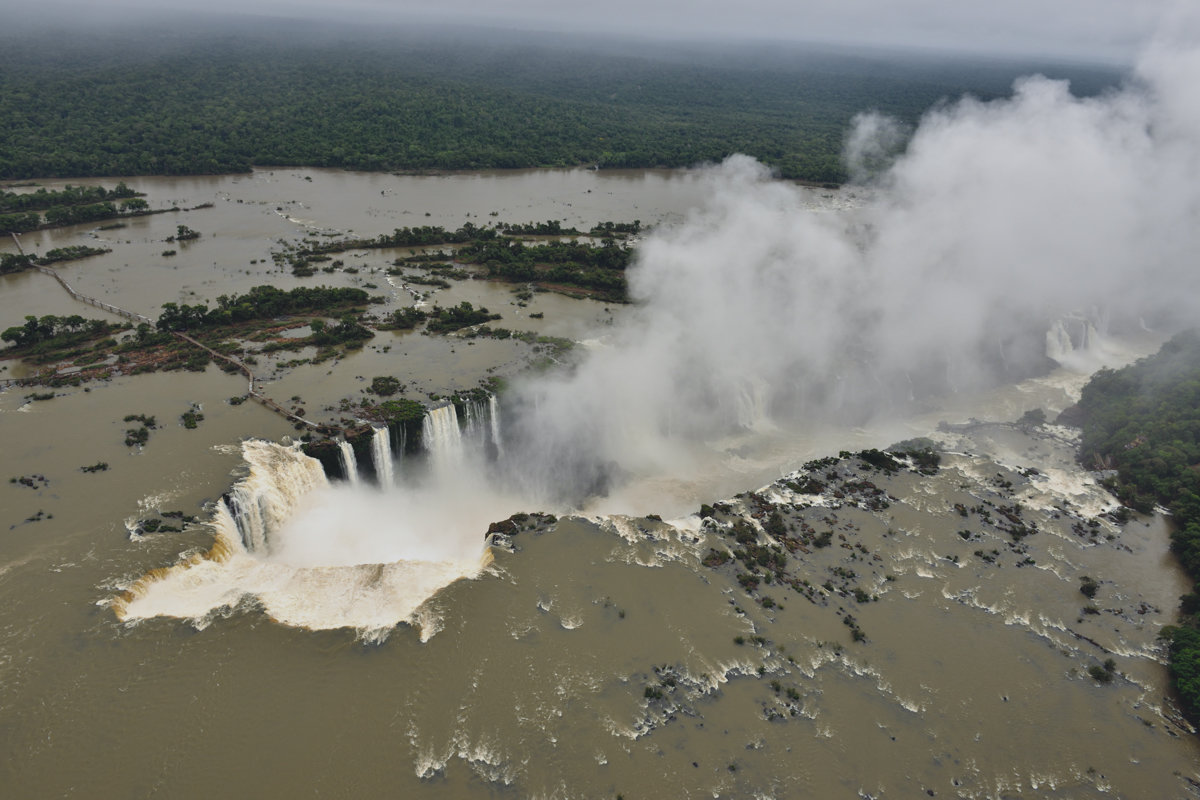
<point x="399" y="443"/>
<point x="348" y="461"/>
<point x="262" y="501"/>
<point x="319" y="555"/>
<point x="381" y="451"/>
<point x="1075" y="343"/>
<point x="446" y="441"/>
<point x="482" y="424"/>
<point x="443" y="439"/>
<point x="494" y="420"/>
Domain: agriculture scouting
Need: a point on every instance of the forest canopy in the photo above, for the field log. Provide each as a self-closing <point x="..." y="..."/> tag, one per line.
<point x="1144" y="421"/>
<point x="217" y="102"/>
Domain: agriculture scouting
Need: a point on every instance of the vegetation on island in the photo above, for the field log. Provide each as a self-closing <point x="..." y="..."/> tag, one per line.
<point x="1143" y="421"/>
<point x="42" y="335"/>
<point x="21" y="212"/>
<point x="571" y="266"/>
<point x="18" y="262"/>
<point x="139" y="435"/>
<point x="444" y="320"/>
<point x="42" y="199"/>
<point x="598" y="269"/>
<point x="261" y="302"/>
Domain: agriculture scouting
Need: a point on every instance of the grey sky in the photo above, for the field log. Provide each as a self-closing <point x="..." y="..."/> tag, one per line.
<point x="1107" y="29"/>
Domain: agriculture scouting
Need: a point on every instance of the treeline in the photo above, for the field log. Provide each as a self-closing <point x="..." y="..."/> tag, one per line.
<point x="20" y="213"/>
<point x="302" y="259"/>
<point x="617" y="229"/>
<point x="17" y="262"/>
<point x="418" y="102"/>
<point x="69" y="195"/>
<point x="52" y="331"/>
<point x="548" y="228"/>
<point x="598" y="268"/>
<point x="261" y="302"/>
<point x="469" y="232"/>
<point x="440" y="319"/>
<point x="1144" y="422"/>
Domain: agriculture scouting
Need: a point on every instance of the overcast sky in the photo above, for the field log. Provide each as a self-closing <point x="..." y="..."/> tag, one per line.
<point x="1104" y="29"/>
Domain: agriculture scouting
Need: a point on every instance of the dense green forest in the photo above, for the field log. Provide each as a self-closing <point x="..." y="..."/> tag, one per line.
<point x="1144" y="422"/>
<point x="214" y="101"/>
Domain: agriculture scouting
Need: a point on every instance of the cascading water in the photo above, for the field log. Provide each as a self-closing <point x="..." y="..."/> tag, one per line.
<point x="481" y="426"/>
<point x="494" y="424"/>
<point x="399" y="444"/>
<point x="752" y="405"/>
<point x="348" y="461"/>
<point x="1075" y="343"/>
<point x="262" y="501"/>
<point x="381" y="452"/>
<point x="443" y="439"/>
<point x="319" y="555"/>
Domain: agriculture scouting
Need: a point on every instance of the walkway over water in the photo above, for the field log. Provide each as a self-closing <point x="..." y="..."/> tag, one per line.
<point x="136" y="318"/>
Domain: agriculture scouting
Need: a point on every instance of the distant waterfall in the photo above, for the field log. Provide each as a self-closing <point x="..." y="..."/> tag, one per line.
<point x="494" y="422"/>
<point x="482" y="425"/>
<point x="751" y="404"/>
<point x="260" y="502"/>
<point x="399" y="444"/>
<point x="1071" y="339"/>
<point x="348" y="461"/>
<point x="443" y="439"/>
<point x="381" y="452"/>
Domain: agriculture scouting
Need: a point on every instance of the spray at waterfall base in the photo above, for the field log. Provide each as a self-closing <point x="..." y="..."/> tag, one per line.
<point x="319" y="554"/>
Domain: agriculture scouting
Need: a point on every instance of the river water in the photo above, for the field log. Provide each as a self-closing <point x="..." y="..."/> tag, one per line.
<point x="595" y="657"/>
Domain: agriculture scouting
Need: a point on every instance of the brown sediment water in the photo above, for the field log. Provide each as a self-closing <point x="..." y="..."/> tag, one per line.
<point x="595" y="656"/>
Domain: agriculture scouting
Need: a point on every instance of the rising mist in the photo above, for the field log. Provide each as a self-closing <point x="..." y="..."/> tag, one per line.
<point x="999" y="220"/>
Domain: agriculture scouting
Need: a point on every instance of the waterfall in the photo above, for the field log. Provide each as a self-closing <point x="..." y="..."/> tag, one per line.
<point x="399" y="440"/>
<point x="443" y="440"/>
<point x="473" y="422"/>
<point x="381" y="451"/>
<point x="348" y="461"/>
<point x="1074" y="341"/>
<point x="494" y="424"/>
<point x="751" y="404"/>
<point x="260" y="502"/>
<point x="1058" y="341"/>
<point x="481" y="425"/>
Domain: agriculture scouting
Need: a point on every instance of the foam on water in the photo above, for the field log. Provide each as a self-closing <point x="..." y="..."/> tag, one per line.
<point x="321" y="556"/>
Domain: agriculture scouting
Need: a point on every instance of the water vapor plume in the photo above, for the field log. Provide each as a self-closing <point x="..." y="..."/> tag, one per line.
<point x="873" y="144"/>
<point x="1001" y="222"/>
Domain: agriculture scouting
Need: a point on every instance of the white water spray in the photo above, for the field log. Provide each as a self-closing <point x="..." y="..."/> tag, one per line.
<point x="261" y="502"/>
<point x="323" y="556"/>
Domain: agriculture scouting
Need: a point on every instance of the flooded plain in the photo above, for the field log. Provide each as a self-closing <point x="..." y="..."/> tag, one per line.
<point x="902" y="634"/>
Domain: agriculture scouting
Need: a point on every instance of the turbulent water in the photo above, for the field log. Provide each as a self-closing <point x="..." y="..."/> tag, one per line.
<point x="935" y="621"/>
<point x="848" y="629"/>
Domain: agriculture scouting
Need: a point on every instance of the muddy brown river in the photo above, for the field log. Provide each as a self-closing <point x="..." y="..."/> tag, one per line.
<point x="925" y="634"/>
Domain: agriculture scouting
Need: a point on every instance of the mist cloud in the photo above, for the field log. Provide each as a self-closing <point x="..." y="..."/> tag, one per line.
<point x="998" y="220"/>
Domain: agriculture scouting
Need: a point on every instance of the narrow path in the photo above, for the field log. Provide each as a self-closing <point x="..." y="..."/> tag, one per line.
<point x="252" y="391"/>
